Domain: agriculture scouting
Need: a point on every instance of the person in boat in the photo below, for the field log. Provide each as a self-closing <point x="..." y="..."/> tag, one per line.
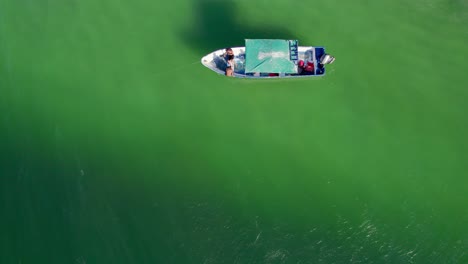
<point x="305" y="68"/>
<point x="229" y="57"/>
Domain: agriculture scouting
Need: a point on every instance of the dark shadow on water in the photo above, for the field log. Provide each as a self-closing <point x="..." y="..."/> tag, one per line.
<point x="217" y="24"/>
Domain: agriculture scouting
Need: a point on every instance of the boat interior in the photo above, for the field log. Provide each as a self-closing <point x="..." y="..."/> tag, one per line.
<point x="216" y="62"/>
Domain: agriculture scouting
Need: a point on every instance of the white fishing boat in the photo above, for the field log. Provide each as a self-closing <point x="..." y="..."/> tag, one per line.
<point x="271" y="58"/>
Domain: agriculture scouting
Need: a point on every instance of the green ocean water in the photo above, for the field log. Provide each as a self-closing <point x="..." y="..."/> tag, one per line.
<point x="118" y="146"/>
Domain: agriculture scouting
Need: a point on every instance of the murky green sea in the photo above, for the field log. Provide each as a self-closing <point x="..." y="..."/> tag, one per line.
<point x="118" y="146"/>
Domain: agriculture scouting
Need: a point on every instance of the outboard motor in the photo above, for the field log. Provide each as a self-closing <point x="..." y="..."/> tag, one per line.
<point x="327" y="59"/>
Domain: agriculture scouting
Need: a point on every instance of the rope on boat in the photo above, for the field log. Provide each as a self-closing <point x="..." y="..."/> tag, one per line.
<point x="159" y="73"/>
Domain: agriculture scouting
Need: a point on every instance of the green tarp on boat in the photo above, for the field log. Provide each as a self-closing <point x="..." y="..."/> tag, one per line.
<point x="271" y="56"/>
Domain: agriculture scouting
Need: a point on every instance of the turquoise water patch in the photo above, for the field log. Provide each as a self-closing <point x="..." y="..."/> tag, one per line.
<point x="116" y="145"/>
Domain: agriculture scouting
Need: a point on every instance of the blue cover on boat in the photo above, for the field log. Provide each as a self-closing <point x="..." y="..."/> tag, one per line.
<point x="271" y="55"/>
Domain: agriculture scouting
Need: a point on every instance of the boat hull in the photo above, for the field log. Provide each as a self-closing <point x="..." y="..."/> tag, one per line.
<point x="215" y="62"/>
